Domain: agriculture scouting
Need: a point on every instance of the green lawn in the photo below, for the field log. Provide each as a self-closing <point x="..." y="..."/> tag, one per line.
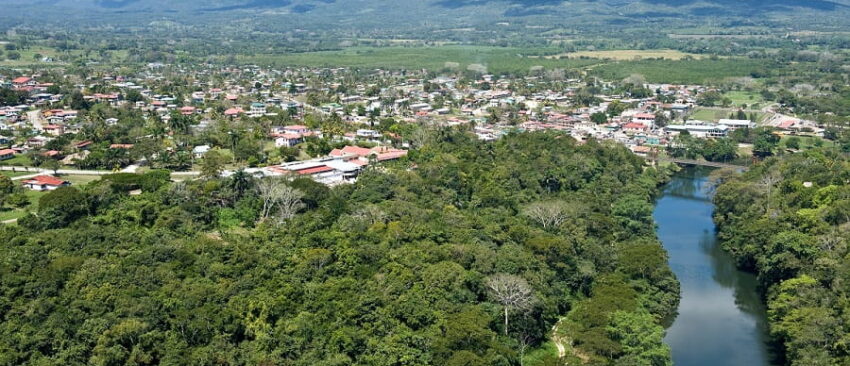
<point x="740" y="98"/>
<point x="713" y="115"/>
<point x="80" y="180"/>
<point x="11" y="214"/>
<point x="11" y="174"/>
<point x="18" y="160"/>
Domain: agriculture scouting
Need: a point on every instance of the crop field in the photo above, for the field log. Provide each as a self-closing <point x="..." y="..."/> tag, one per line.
<point x="625" y="55"/>
<point x="703" y="71"/>
<point x="28" y="57"/>
<point x="514" y="60"/>
<point x="494" y="59"/>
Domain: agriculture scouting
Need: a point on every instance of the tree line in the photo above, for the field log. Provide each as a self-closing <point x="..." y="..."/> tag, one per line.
<point x="786" y="220"/>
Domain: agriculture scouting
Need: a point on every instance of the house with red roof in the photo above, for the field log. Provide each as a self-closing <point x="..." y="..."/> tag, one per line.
<point x="635" y="127"/>
<point x="45" y="183"/>
<point x="233" y="112"/>
<point x="296" y="129"/>
<point x="7" y="154"/>
<point x="23" y="82"/>
<point x="645" y="118"/>
<point x="787" y="124"/>
<point x="380" y="153"/>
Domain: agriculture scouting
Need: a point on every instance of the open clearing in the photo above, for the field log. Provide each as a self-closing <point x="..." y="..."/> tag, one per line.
<point x="625" y="55"/>
<point x="716" y="114"/>
<point x="741" y="98"/>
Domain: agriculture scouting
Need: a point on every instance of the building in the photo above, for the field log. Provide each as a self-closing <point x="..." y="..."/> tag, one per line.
<point x="45" y="183"/>
<point x="635" y="128"/>
<point x="735" y="124"/>
<point x="201" y="150"/>
<point x="325" y="171"/>
<point x="258" y="110"/>
<point x="7" y="154"/>
<point x="288" y="139"/>
<point x="700" y="130"/>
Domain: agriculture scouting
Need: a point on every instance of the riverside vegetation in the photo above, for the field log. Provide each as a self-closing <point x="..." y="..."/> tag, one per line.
<point x="787" y="221"/>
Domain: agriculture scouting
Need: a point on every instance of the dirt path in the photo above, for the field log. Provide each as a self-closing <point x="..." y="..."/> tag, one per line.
<point x="565" y="346"/>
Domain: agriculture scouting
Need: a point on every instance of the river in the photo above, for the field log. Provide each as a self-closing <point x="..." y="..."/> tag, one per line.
<point x="721" y="320"/>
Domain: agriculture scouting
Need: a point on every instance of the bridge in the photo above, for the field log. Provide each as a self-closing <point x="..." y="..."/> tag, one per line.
<point x="706" y="163"/>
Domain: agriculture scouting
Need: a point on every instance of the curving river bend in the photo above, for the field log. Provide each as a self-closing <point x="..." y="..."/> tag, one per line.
<point x="721" y="318"/>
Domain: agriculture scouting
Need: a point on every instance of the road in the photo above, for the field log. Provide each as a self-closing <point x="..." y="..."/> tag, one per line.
<point x="38" y="171"/>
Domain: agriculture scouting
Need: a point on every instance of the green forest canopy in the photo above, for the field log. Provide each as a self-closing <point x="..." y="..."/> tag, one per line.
<point x="787" y="220"/>
<point x="405" y="267"/>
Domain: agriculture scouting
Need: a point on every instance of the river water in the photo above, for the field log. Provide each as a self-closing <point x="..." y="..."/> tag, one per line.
<point x="721" y="318"/>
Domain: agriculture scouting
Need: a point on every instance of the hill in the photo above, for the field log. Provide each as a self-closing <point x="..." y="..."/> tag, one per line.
<point x="588" y="15"/>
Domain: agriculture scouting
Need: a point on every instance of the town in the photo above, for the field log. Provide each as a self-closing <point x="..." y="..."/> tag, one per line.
<point x="330" y="124"/>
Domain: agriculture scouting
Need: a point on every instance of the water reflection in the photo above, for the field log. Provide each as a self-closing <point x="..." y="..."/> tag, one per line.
<point x="721" y="318"/>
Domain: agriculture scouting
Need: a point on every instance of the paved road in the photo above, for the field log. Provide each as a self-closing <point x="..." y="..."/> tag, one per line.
<point x="129" y="169"/>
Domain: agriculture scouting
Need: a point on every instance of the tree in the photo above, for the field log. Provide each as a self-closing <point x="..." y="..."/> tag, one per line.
<point x="62" y="206"/>
<point x="765" y="141"/>
<point x="18" y="200"/>
<point x="513" y="292"/>
<point x="793" y="142"/>
<point x="213" y="164"/>
<point x="641" y="338"/>
<point x="661" y="119"/>
<point x="549" y="213"/>
<point x="709" y="98"/>
<point x="278" y="195"/>
<point x="50" y="164"/>
<point x="77" y="101"/>
<point x="599" y="118"/>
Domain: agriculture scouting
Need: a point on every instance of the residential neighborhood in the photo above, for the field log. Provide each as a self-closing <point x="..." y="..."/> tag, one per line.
<point x="326" y="124"/>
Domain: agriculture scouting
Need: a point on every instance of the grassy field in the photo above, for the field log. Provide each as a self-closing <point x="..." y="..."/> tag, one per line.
<point x="80" y="180"/>
<point x="625" y="55"/>
<point x="11" y="214"/>
<point x="713" y="115"/>
<point x="18" y="160"/>
<point x="740" y="98"/>
<point x="13" y="174"/>
<point x="496" y="59"/>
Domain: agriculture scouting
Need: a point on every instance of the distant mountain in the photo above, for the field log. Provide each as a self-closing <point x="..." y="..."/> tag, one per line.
<point x="393" y="13"/>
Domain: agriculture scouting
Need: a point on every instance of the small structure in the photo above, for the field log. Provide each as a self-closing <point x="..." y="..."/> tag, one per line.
<point x="45" y="183"/>
<point x="7" y="154"/>
<point x="288" y="139"/>
<point x="200" y="151"/>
